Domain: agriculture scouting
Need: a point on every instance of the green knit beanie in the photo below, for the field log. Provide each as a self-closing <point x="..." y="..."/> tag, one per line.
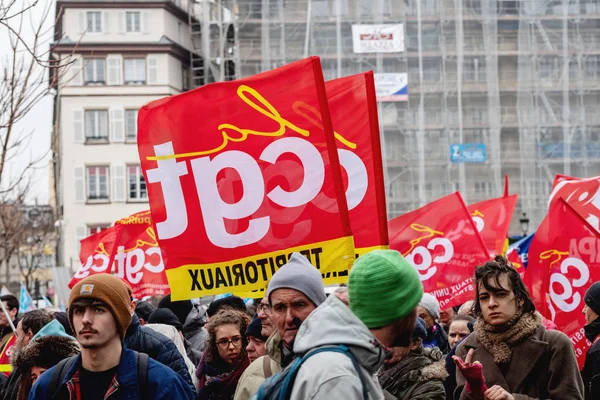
<point x="383" y="287"/>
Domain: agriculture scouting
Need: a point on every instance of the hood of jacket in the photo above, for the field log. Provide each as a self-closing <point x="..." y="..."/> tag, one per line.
<point x="332" y="324"/>
<point x="52" y="328"/>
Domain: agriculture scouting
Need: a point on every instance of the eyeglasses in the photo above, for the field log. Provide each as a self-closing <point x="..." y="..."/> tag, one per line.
<point x="263" y="308"/>
<point x="224" y="343"/>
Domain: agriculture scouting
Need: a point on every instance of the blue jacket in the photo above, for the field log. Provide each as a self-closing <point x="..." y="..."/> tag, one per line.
<point x="158" y="347"/>
<point x="163" y="383"/>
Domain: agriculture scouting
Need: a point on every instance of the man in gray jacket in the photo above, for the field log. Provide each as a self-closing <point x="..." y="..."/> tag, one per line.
<point x="383" y="290"/>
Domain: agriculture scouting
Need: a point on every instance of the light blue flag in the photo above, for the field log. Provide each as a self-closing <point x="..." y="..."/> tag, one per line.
<point x="25" y="301"/>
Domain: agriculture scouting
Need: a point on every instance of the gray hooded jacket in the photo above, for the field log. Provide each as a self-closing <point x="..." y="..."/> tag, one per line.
<point x="330" y="375"/>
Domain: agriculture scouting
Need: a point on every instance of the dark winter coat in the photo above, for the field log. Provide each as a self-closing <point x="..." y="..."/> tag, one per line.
<point x="163" y="383"/>
<point x="157" y="346"/>
<point x="543" y="366"/>
<point x="10" y="389"/>
<point x="591" y="368"/>
<point x="418" y="376"/>
<point x="437" y="337"/>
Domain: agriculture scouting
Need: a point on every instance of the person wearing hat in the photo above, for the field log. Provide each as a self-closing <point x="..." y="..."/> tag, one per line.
<point x="294" y="291"/>
<point x="229" y="302"/>
<point x="420" y="374"/>
<point x="383" y="293"/>
<point x="100" y="311"/>
<point x="429" y="311"/>
<point x="256" y="341"/>
<point x="591" y="368"/>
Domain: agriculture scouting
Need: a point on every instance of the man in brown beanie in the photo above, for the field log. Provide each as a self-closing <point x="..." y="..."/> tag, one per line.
<point x="99" y="313"/>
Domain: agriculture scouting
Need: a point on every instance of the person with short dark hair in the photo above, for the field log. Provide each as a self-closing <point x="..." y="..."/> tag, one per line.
<point x="143" y="309"/>
<point x="100" y="311"/>
<point x="510" y="346"/>
<point x="420" y="374"/>
<point x="229" y="302"/>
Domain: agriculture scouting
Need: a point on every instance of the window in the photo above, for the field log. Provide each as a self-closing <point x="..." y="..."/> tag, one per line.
<point x="137" y="184"/>
<point x="93" y="229"/>
<point x="94" y="21"/>
<point x="97" y="183"/>
<point x="96" y="126"/>
<point x="133" y="22"/>
<point x="131" y="125"/>
<point x="135" y="70"/>
<point x="94" y="70"/>
<point x="185" y="78"/>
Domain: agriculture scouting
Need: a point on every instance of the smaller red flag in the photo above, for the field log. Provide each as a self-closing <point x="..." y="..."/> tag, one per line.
<point x="441" y="241"/>
<point x="562" y="264"/>
<point x="492" y="219"/>
<point x="583" y="194"/>
<point x="129" y="250"/>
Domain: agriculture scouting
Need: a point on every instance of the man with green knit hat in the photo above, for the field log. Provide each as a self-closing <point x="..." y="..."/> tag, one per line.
<point x="383" y="290"/>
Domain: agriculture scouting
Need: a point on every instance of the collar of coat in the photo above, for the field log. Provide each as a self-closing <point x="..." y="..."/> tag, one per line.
<point x="524" y="361"/>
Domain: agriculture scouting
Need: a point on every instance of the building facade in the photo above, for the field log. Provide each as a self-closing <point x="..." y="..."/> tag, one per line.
<point x="122" y="54"/>
<point x="521" y="78"/>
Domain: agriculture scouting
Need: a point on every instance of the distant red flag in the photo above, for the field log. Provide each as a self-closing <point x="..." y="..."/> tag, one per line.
<point x="563" y="263"/>
<point x="492" y="219"/>
<point x="443" y="244"/>
<point x="129" y="250"/>
<point x="583" y="194"/>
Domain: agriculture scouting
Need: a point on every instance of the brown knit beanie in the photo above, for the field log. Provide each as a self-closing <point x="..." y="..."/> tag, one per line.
<point x="108" y="289"/>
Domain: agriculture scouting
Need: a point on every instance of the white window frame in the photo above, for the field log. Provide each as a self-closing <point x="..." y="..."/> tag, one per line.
<point x="130" y="22"/>
<point x="138" y="197"/>
<point x="131" y="125"/>
<point x="98" y="227"/>
<point x="96" y="137"/>
<point x="94" y="63"/>
<point x="95" y="24"/>
<point x="131" y="77"/>
<point x="95" y="169"/>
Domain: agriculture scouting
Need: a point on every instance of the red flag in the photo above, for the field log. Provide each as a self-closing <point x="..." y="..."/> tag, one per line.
<point x="443" y="244"/>
<point x="234" y="176"/>
<point x="562" y="264"/>
<point x="353" y="108"/>
<point x="583" y="194"/>
<point x="492" y="219"/>
<point x="129" y="250"/>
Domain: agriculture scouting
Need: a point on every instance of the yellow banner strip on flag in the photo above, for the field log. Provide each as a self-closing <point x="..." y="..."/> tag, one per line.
<point x="252" y="273"/>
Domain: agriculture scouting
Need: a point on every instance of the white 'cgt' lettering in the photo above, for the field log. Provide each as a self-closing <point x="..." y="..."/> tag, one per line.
<point x="568" y="301"/>
<point x="428" y="263"/>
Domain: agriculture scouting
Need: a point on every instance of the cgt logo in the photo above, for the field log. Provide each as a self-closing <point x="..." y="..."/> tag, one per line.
<point x="208" y="165"/>
<point x="128" y="263"/>
<point x="565" y="299"/>
<point x="477" y="218"/>
<point x="421" y="257"/>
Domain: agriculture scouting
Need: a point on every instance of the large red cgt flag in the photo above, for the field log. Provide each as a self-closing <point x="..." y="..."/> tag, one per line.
<point x="563" y="262"/>
<point x="492" y="219"/>
<point x="129" y="250"/>
<point x="443" y="244"/>
<point x="583" y="194"/>
<point x="235" y="177"/>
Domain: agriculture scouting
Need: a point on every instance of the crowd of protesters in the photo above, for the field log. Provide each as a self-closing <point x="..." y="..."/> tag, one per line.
<point x="379" y="337"/>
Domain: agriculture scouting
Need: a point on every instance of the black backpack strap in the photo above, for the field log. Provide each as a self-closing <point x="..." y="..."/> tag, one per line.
<point x="142" y="367"/>
<point x="58" y="375"/>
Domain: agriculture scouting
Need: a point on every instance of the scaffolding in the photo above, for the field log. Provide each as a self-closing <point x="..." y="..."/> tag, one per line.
<point x="521" y="77"/>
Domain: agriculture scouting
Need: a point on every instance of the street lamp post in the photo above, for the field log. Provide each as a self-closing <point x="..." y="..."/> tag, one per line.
<point x="524" y="221"/>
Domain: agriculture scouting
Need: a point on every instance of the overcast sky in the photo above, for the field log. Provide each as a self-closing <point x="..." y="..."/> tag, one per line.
<point x="39" y="120"/>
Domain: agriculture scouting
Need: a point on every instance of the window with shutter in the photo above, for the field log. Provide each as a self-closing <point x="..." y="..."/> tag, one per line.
<point x="131" y="125"/>
<point x="94" y="21"/>
<point x="135" y="71"/>
<point x="133" y="23"/>
<point x="97" y="183"/>
<point x="136" y="185"/>
<point x="94" y="70"/>
<point x="96" y="126"/>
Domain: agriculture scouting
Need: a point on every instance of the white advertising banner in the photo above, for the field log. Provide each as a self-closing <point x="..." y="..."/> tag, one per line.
<point x="391" y="86"/>
<point x="387" y="38"/>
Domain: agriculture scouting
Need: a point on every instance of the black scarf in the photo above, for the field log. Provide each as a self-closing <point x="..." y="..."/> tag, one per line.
<point x="592" y="330"/>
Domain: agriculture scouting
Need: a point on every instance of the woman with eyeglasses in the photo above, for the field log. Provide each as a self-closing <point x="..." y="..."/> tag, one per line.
<point x="225" y="358"/>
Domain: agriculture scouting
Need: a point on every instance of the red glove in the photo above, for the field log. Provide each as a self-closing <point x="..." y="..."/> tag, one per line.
<point x="473" y="373"/>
